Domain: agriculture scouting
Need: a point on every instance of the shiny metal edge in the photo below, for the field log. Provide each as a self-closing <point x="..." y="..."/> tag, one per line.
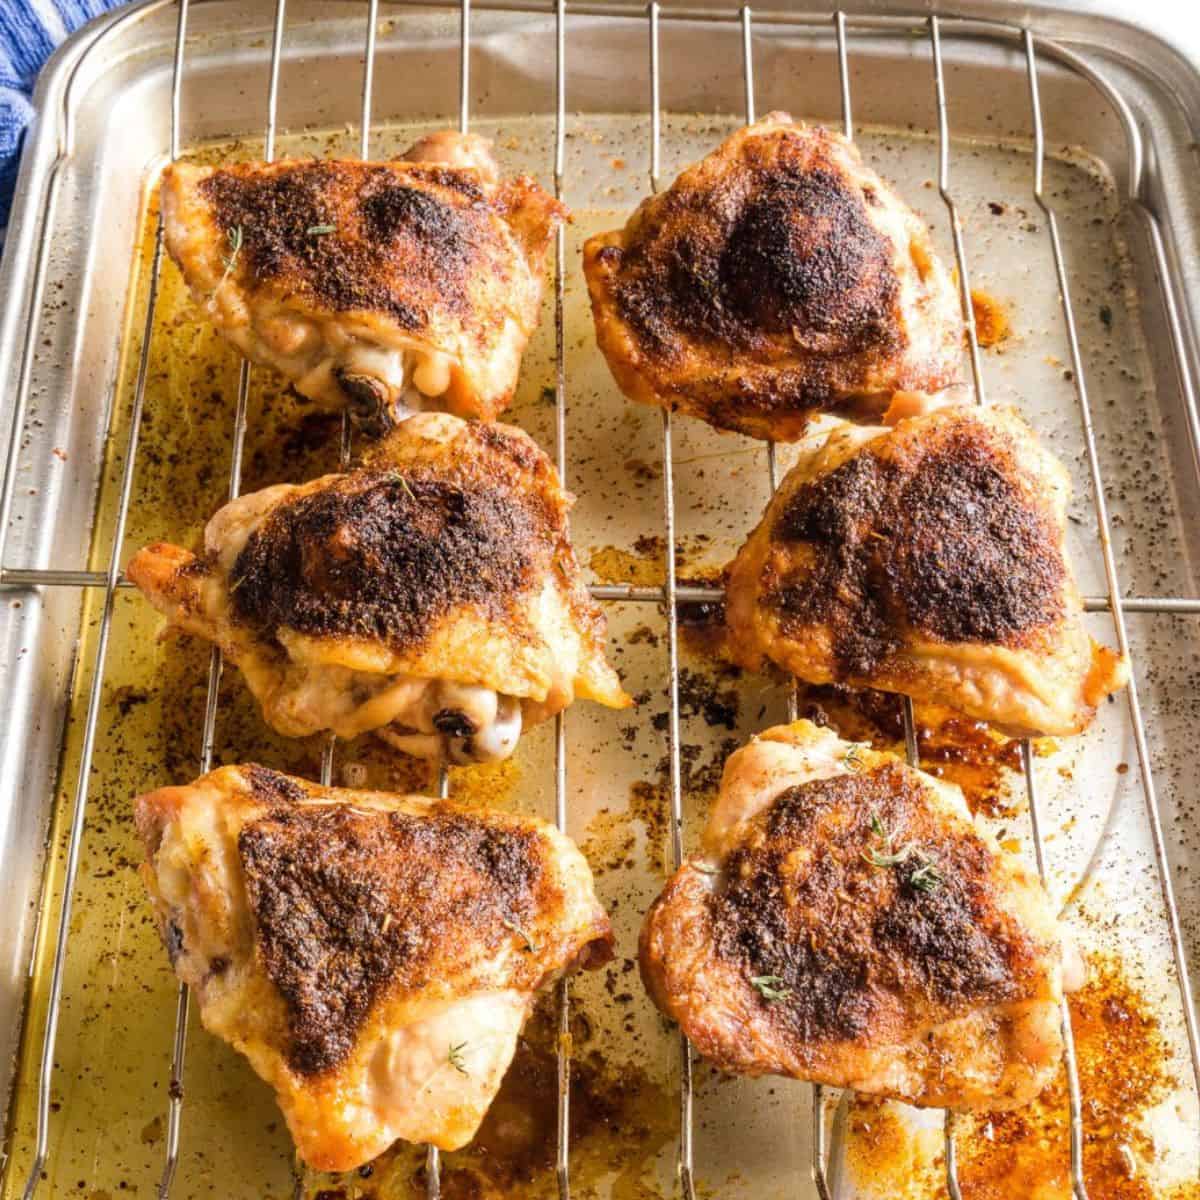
<point x="37" y="645"/>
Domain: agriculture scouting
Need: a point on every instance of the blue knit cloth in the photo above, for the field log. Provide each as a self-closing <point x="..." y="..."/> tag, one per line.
<point x="29" y="32"/>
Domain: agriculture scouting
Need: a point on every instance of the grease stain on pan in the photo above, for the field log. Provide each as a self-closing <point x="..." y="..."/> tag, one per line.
<point x="1126" y="1071"/>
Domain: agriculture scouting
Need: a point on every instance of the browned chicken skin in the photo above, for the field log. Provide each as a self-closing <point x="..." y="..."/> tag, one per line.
<point x="848" y="924"/>
<point x="457" y="150"/>
<point x="926" y="559"/>
<point x="373" y="956"/>
<point x="776" y="279"/>
<point x="431" y="595"/>
<point x="386" y="288"/>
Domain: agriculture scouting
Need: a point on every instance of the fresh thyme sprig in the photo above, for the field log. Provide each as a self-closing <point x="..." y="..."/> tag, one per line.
<point x="398" y="479"/>
<point x="927" y="877"/>
<point x="853" y="759"/>
<point x="888" y="857"/>
<point x="885" y="856"/>
<point x="454" y="1056"/>
<point x="234" y="238"/>
<point x="771" y="987"/>
<point x="530" y="944"/>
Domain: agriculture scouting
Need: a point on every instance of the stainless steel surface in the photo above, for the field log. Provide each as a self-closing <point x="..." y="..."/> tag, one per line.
<point x="1110" y="563"/>
<point x="562" y="1066"/>
<point x="79" y="806"/>
<point x="1151" y="187"/>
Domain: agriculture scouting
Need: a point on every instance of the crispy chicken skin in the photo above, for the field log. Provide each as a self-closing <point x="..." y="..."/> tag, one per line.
<point x="926" y="559"/>
<point x="432" y="594"/>
<point x="775" y="279"/>
<point x="847" y="924"/>
<point x="373" y="956"/>
<point x="382" y="287"/>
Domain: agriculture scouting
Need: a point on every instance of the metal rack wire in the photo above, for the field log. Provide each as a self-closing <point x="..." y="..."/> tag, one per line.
<point x="671" y="594"/>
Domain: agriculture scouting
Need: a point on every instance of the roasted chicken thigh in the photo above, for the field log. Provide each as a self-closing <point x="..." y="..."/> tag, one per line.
<point x="926" y="559"/>
<point x="382" y="287"/>
<point x="778" y="278"/>
<point x="373" y="956"/>
<point x="847" y="923"/>
<point x="431" y="595"/>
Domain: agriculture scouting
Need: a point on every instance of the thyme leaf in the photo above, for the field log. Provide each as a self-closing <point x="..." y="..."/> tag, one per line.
<point x="530" y="944"/>
<point x="454" y="1057"/>
<point x="706" y="868"/>
<point x="853" y="759"/>
<point x="927" y="877"/>
<point x="403" y="484"/>
<point x="888" y="857"/>
<point x="884" y="855"/>
<point x="771" y="987"/>
<point x="234" y="238"/>
<point x="318" y="230"/>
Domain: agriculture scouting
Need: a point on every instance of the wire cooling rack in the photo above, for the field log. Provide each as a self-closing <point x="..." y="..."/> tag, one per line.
<point x="671" y="594"/>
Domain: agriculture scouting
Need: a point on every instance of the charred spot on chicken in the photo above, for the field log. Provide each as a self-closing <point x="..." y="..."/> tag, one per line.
<point x="950" y="545"/>
<point x="322" y="879"/>
<point x="385" y="555"/>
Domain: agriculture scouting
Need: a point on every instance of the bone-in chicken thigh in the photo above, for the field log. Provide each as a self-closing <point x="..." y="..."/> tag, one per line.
<point x="926" y="559"/>
<point x="778" y="278"/>
<point x="382" y="287"/>
<point x="847" y="923"/>
<point x="431" y="595"/>
<point x="373" y="956"/>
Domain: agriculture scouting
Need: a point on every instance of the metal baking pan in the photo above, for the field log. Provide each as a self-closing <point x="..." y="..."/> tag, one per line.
<point x="110" y="443"/>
